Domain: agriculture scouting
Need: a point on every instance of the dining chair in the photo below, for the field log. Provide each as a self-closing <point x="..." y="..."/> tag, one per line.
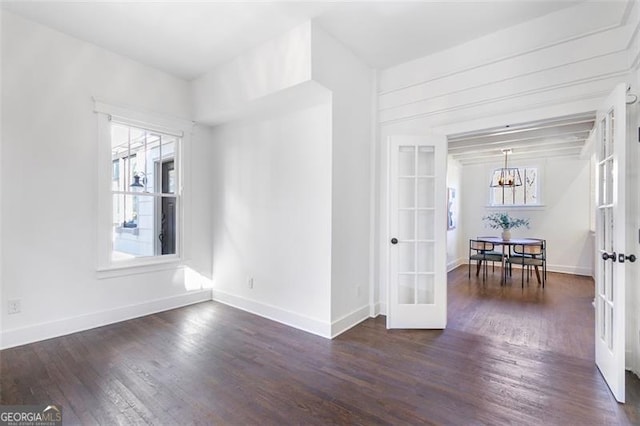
<point x="527" y="255"/>
<point x="482" y="251"/>
<point x="542" y="256"/>
<point x="494" y="252"/>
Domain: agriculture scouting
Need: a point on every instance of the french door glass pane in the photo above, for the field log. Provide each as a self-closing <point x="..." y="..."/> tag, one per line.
<point x="426" y="188"/>
<point x="425" y="286"/>
<point x="406" y="192"/>
<point x="609" y="141"/>
<point x="603" y="136"/>
<point x="406" y="225"/>
<point x="406" y="289"/>
<point x="426" y="224"/>
<point x="609" y="325"/>
<point x="406" y="261"/>
<point x="608" y="183"/>
<point x="406" y="161"/>
<point x="426" y="166"/>
<point x="425" y="257"/>
<point x="602" y="174"/>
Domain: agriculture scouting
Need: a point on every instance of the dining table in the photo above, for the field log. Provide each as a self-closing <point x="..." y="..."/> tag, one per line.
<point x="505" y="246"/>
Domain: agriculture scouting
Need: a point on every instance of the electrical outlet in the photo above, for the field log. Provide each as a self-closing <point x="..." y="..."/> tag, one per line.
<point x="250" y="283"/>
<point x="14" y="306"/>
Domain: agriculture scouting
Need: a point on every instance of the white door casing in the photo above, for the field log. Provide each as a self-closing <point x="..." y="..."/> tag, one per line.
<point x="610" y="241"/>
<point x="417" y="285"/>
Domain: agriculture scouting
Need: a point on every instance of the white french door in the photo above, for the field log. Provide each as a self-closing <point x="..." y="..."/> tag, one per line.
<point x="417" y="286"/>
<point x="610" y="241"/>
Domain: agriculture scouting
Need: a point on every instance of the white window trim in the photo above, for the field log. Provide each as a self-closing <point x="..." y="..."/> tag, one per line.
<point x="105" y="112"/>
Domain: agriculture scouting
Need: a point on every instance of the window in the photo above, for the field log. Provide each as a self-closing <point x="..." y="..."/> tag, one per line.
<point x="143" y="192"/>
<point x="140" y="188"/>
<point x="526" y="194"/>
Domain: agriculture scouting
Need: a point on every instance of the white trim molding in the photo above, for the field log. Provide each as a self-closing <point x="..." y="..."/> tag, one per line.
<point x="455" y="263"/>
<point x="349" y="321"/>
<point x="37" y="332"/>
<point x="274" y="313"/>
<point x="175" y="126"/>
<point x="106" y="112"/>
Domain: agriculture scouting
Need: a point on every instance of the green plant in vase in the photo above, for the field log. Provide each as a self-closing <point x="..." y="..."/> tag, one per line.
<point x="505" y="222"/>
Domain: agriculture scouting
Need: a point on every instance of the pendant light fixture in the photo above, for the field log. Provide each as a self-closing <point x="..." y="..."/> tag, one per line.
<point x="506" y="177"/>
<point x="137" y="184"/>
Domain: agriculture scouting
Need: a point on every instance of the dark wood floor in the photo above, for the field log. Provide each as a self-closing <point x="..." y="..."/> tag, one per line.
<point x="508" y="356"/>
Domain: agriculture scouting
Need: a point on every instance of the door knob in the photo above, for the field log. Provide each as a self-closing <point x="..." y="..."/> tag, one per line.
<point x="394" y="241"/>
<point x="607" y="256"/>
<point x="631" y="258"/>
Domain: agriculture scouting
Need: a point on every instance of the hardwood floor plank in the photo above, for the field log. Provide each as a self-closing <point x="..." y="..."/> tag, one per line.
<point x="508" y="356"/>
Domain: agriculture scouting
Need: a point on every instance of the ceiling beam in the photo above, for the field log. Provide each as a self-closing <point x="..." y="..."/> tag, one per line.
<point x="514" y="128"/>
<point x="549" y="132"/>
<point x="521" y="144"/>
<point x="542" y="152"/>
<point x="523" y="151"/>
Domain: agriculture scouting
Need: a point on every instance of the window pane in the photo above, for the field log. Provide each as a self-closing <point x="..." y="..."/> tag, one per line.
<point x="527" y="193"/>
<point x="168" y="175"/>
<point x="168" y="216"/>
<point x="530" y="185"/>
<point x="133" y="226"/>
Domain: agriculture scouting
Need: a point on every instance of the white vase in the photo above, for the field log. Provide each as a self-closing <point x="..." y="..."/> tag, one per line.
<point x="506" y="235"/>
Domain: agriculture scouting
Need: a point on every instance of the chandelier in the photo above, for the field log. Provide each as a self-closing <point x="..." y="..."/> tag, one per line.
<point x="506" y="177"/>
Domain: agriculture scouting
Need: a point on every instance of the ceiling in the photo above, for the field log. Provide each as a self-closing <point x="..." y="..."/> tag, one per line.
<point x="188" y="38"/>
<point x="561" y="136"/>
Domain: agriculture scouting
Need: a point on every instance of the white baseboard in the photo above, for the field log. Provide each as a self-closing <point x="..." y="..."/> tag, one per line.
<point x="376" y="310"/>
<point x="575" y="270"/>
<point x="292" y="319"/>
<point x="381" y="308"/>
<point x="43" y="331"/>
<point x="563" y="269"/>
<point x="455" y="263"/>
<point x="350" y="320"/>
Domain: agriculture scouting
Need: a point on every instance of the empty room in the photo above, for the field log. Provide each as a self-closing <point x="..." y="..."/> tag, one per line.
<point x="320" y="212"/>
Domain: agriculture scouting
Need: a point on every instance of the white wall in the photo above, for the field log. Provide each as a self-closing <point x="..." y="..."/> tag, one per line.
<point x="349" y="80"/>
<point x="563" y="221"/>
<point x="225" y="92"/>
<point x="272" y="215"/>
<point x="49" y="183"/>
<point x="316" y="126"/>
